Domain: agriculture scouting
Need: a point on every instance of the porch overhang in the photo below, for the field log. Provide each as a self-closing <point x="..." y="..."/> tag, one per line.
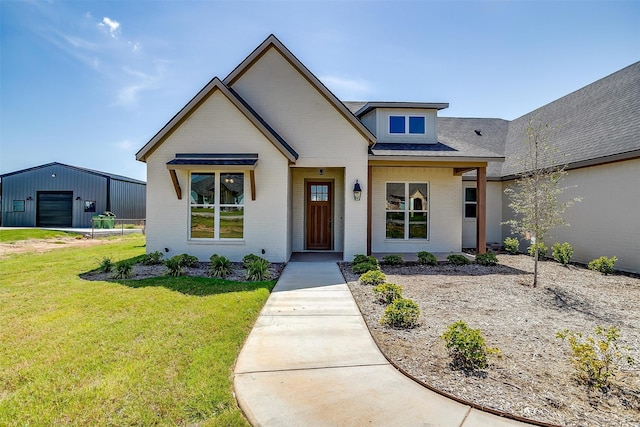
<point x="213" y="162"/>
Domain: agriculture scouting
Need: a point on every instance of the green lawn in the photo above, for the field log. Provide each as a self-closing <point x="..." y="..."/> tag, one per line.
<point x="150" y="352"/>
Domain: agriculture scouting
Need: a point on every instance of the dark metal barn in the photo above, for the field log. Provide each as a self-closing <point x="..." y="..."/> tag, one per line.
<point x="59" y="195"/>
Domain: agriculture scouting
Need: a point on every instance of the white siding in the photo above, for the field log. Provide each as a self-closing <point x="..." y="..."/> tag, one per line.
<point x="445" y="214"/>
<point x="217" y="126"/>
<point x="494" y="216"/>
<point x="606" y="222"/>
<point x="316" y="130"/>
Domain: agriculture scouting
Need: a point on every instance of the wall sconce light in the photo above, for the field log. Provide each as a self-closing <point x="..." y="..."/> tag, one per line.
<point x="53" y="175"/>
<point x="78" y="198"/>
<point x="357" y="191"/>
<point x="29" y="198"/>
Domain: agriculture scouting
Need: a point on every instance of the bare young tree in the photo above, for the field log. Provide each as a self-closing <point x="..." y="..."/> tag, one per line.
<point x="535" y="196"/>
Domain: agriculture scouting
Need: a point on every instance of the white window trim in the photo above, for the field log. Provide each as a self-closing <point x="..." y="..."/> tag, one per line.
<point x="465" y="203"/>
<point x="406" y="124"/>
<point x="216" y="209"/>
<point x="406" y="211"/>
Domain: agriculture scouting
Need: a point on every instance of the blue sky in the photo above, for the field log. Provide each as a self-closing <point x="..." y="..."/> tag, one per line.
<point x="88" y="83"/>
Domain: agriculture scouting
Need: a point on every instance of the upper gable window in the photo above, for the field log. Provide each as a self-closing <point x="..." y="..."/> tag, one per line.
<point x="407" y="124"/>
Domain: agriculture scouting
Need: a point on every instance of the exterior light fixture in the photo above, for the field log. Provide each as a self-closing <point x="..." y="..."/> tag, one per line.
<point x="29" y="198"/>
<point x="357" y="191"/>
<point x="78" y="198"/>
<point x="53" y="175"/>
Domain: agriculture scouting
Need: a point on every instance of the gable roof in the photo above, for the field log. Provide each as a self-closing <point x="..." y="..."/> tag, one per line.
<point x="216" y="85"/>
<point x="273" y="42"/>
<point x="596" y="124"/>
<point x="77" y="168"/>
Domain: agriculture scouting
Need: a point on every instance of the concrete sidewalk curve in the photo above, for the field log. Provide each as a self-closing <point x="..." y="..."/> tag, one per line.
<point x="311" y="361"/>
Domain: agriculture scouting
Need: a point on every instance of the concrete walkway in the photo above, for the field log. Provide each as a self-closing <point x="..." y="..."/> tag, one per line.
<point x="310" y="361"/>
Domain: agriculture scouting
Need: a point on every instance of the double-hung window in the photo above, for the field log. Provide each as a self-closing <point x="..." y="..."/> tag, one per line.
<point x="407" y="124"/>
<point x="217" y="206"/>
<point x="470" y="202"/>
<point x="407" y="210"/>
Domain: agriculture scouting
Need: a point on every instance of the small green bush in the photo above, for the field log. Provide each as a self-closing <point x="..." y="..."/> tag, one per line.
<point x="458" y="259"/>
<point x="174" y="265"/>
<point x="388" y="292"/>
<point x="603" y="264"/>
<point x="188" y="260"/>
<point x="487" y="259"/>
<point x="248" y="259"/>
<point x="401" y="313"/>
<point x="123" y="269"/>
<point x="466" y="346"/>
<point x="596" y="359"/>
<point x="542" y="250"/>
<point x="562" y="253"/>
<point x="152" y="258"/>
<point x="362" y="264"/>
<point x="511" y="245"/>
<point x="427" y="258"/>
<point x="106" y="265"/>
<point x="258" y="270"/>
<point x="392" y="259"/>
<point x="219" y="266"/>
<point x="372" y="277"/>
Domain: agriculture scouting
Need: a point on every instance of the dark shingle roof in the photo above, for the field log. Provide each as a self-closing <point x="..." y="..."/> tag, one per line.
<point x="593" y="123"/>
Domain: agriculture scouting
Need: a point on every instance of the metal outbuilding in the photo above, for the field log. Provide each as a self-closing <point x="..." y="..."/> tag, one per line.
<point x="59" y="195"/>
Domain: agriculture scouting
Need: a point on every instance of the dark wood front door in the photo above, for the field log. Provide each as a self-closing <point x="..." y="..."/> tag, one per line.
<point x="319" y="231"/>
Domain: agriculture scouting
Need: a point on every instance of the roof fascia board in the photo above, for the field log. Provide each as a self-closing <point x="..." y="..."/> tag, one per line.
<point x="272" y="41"/>
<point x="196" y="101"/>
<point x="405" y="105"/>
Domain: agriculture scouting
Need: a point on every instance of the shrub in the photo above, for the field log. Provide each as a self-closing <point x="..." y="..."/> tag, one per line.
<point x="106" y="265"/>
<point x="427" y="258"/>
<point x="174" y="264"/>
<point x="360" y="258"/>
<point x="466" y="346"/>
<point x="372" y="277"/>
<point x="603" y="264"/>
<point x="188" y="260"/>
<point x="487" y="259"/>
<point x="562" y="252"/>
<point x="152" y="258"/>
<point x="401" y="313"/>
<point x="392" y="259"/>
<point x="511" y="245"/>
<point x="219" y="266"/>
<point x="123" y="269"/>
<point x="596" y="359"/>
<point x="248" y="259"/>
<point x="388" y="292"/>
<point x="458" y="259"/>
<point x="542" y="250"/>
<point x="362" y="264"/>
<point x="258" y="270"/>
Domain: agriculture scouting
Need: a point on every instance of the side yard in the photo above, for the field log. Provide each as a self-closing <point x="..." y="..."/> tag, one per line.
<point x="533" y="377"/>
<point x="157" y="351"/>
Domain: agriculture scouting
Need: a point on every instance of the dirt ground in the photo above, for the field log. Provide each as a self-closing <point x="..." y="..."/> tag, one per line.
<point x="44" y="245"/>
<point x="533" y="378"/>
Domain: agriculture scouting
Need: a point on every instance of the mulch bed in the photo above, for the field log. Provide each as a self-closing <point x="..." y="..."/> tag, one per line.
<point x="533" y="378"/>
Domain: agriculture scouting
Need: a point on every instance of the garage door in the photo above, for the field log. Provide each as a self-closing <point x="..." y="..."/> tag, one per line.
<point x="55" y="209"/>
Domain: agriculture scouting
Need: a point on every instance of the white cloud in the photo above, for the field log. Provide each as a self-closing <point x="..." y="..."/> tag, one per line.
<point x="346" y="88"/>
<point x="112" y="25"/>
<point x="124" y="145"/>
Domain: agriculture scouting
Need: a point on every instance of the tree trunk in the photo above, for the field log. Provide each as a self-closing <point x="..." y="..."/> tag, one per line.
<point x="535" y="266"/>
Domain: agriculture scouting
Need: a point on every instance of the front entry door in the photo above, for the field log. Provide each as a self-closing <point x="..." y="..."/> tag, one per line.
<point x="319" y="231"/>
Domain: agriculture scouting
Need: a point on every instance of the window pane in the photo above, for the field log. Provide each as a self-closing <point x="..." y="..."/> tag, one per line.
<point x="470" y="210"/>
<point x="418" y="225"/>
<point x="231" y="223"/>
<point x="395" y="225"/>
<point x="470" y="195"/>
<point x="396" y="124"/>
<point x="416" y="125"/>
<point x="18" y="205"/>
<point x="202" y="188"/>
<point x="418" y="197"/>
<point x="202" y="222"/>
<point x="395" y="196"/>
<point x="231" y="188"/>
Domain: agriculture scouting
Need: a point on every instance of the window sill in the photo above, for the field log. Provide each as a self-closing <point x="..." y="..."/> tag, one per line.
<point x="406" y="241"/>
<point x="215" y="242"/>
